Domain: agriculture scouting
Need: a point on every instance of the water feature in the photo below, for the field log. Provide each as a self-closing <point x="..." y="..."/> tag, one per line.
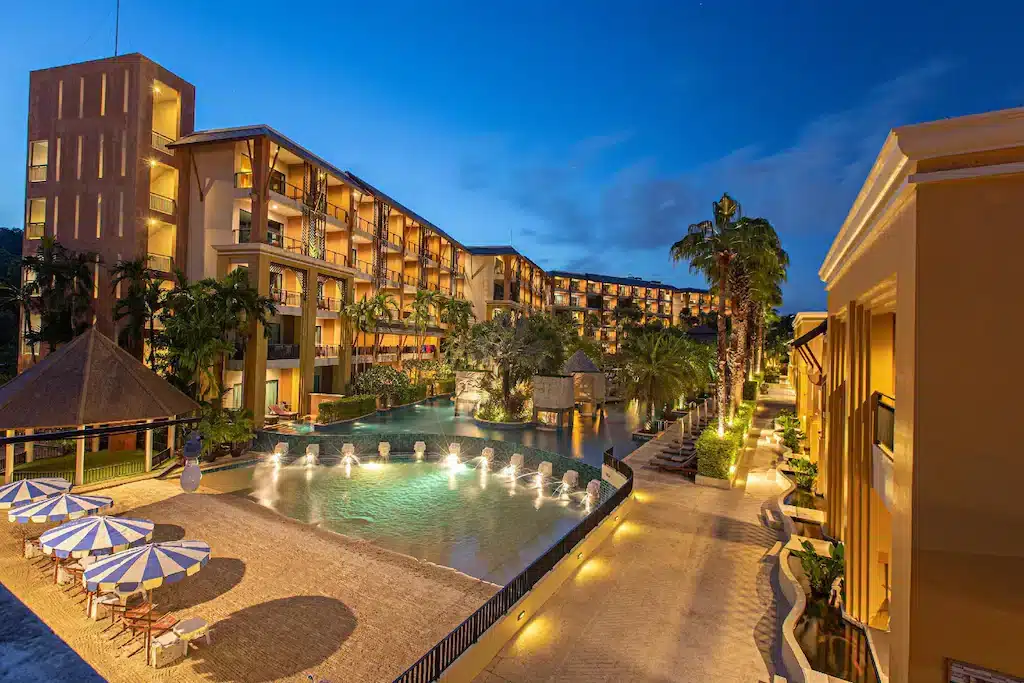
<point x="483" y="517"/>
<point x="587" y="440"/>
<point x="805" y="499"/>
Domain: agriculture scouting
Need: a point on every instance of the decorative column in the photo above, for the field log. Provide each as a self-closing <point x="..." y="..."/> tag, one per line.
<point x="80" y="458"/>
<point x="9" y="459"/>
<point x="260" y="192"/>
<point x="149" y="448"/>
<point x="170" y="440"/>
<point x="30" y="447"/>
<point x="254" y="368"/>
<point x="307" y="341"/>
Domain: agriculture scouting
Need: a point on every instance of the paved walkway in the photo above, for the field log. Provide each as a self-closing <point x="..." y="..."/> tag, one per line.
<point x="681" y="592"/>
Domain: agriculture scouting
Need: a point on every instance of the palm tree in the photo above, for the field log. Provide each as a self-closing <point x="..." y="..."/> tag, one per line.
<point x="62" y="288"/>
<point x="759" y="261"/>
<point x="22" y="296"/>
<point x="659" y="366"/>
<point x="710" y="247"/>
<point x="457" y="314"/>
<point x="382" y="307"/>
<point x="154" y="297"/>
<point x="423" y="302"/>
<point x="357" y="319"/>
<point x="508" y="345"/>
<point x="766" y="294"/>
<point x="133" y="278"/>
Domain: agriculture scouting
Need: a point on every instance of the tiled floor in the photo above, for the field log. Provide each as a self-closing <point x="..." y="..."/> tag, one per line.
<point x="681" y="592"/>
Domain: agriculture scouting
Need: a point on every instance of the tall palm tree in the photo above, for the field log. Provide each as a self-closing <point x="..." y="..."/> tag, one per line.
<point x="133" y="278"/>
<point x="62" y="286"/>
<point x="766" y="294"/>
<point x="759" y="259"/>
<point x="423" y="302"/>
<point x="457" y="314"/>
<point x="357" y="319"/>
<point x="710" y="247"/>
<point x="154" y="297"/>
<point x="22" y="296"/>
<point x="382" y="307"/>
<point x="508" y="345"/>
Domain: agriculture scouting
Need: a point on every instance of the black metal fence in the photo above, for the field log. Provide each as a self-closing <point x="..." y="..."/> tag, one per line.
<point x="431" y="665"/>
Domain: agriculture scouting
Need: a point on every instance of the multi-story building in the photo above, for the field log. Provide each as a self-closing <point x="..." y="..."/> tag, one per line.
<point x="601" y="304"/>
<point x="100" y="176"/>
<point x="919" y="457"/>
<point x="116" y="168"/>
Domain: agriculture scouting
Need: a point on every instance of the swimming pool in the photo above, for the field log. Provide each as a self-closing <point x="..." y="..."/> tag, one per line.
<point x="587" y="440"/>
<point x="479" y="521"/>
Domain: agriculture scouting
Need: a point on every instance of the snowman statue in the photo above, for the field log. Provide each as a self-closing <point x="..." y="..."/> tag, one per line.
<point x="191" y="475"/>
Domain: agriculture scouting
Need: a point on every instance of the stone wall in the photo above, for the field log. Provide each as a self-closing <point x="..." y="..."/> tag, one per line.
<point x="552" y="392"/>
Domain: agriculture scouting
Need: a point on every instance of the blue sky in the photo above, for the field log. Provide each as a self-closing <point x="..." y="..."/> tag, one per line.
<point x="587" y="133"/>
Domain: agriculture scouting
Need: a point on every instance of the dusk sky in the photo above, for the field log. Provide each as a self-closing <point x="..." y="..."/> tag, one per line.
<point x="587" y="134"/>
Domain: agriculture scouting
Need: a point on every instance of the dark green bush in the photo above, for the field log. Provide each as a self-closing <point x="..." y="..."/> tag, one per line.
<point x="412" y="393"/>
<point x="347" y="408"/>
<point x="750" y="390"/>
<point x="771" y="376"/>
<point x="805" y="472"/>
<point x="716" y="455"/>
<point x="446" y="386"/>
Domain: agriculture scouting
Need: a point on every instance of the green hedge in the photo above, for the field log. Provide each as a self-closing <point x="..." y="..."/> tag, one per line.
<point x="717" y="454"/>
<point x="413" y="393"/>
<point x="347" y="408"/>
<point x="445" y="386"/>
<point x="750" y="388"/>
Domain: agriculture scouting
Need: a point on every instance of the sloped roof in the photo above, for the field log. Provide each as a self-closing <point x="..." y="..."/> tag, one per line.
<point x="90" y="380"/>
<point x="579" y="362"/>
<point x="703" y="333"/>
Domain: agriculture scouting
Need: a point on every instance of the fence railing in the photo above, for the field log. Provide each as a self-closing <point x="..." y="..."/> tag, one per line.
<point x="327" y="350"/>
<point x="286" y="298"/>
<point x="441" y="656"/>
<point x="885" y="420"/>
<point x="160" y="142"/>
<point x="282" y="351"/>
<point x="360" y="224"/>
<point x="160" y="263"/>
<point x="34" y="231"/>
<point x="159" y="202"/>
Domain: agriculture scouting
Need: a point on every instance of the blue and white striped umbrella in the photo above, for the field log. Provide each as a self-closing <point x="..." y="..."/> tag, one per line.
<point x="96" y="536"/>
<point x="147" y="567"/>
<point x="27" y="490"/>
<point x="58" y="508"/>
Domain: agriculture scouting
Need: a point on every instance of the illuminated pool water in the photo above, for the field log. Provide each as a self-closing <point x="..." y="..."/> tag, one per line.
<point x="473" y="520"/>
<point x="587" y="440"/>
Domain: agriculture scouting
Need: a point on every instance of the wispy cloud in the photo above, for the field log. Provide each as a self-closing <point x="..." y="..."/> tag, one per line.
<point x="631" y="208"/>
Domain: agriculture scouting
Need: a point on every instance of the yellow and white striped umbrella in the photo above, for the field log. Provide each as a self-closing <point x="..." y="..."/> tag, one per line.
<point x="147" y="567"/>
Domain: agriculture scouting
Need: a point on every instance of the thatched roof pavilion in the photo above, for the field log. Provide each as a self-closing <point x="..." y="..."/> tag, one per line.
<point x="88" y="381"/>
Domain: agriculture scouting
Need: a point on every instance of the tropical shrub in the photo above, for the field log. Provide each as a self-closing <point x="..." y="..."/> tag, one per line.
<point x="750" y="390"/>
<point x="220" y="427"/>
<point x="805" y="472"/>
<point x="347" y="408"/>
<point x="385" y="382"/>
<point x="413" y="393"/>
<point x="822" y="572"/>
<point x="445" y="386"/>
<point x="771" y="376"/>
<point x="717" y="454"/>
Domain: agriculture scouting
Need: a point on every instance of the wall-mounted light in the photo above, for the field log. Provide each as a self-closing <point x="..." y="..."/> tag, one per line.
<point x="521" y="615"/>
<point x="579" y="556"/>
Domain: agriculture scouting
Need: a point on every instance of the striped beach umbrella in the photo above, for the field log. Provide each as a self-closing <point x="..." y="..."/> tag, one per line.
<point x="27" y="490"/>
<point x="58" y="508"/>
<point x="147" y="567"/>
<point x="95" y="535"/>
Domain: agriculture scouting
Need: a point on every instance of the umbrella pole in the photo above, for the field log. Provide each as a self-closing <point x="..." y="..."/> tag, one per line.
<point x="149" y="624"/>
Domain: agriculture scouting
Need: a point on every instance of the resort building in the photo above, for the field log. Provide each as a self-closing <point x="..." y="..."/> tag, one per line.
<point x="924" y="492"/>
<point x="116" y="168"/>
<point x="806" y="376"/>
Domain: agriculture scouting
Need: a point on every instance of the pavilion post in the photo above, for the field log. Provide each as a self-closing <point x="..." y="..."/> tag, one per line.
<point x="80" y="458"/>
<point x="9" y="459"/>
<point x="149" y="448"/>
<point x="170" y="440"/>
<point x="30" y="447"/>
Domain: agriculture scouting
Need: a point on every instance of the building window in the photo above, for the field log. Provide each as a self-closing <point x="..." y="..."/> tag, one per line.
<point x="99" y="171"/>
<point x="81" y="97"/>
<point x="78" y="160"/>
<point x="60" y="100"/>
<point x="99" y="215"/>
<point x="38" y="155"/>
<point x="103" y="94"/>
<point x="35" y="219"/>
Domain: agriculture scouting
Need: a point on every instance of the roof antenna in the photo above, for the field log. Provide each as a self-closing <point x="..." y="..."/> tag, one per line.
<point x="117" y="25"/>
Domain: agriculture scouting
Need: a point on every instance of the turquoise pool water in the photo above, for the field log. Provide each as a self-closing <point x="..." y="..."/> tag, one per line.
<point x="587" y="441"/>
<point x="473" y="520"/>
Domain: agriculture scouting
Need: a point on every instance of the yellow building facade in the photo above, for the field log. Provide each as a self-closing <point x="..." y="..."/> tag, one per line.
<point x="923" y="492"/>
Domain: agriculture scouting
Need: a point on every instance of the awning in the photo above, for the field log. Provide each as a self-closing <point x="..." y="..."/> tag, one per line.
<point x="800" y="346"/>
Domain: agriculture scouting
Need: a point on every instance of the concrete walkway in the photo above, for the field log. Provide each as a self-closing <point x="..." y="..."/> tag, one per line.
<point x="681" y="592"/>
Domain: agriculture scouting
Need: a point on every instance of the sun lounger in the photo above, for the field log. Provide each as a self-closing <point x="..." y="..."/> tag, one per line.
<point x="283" y="412"/>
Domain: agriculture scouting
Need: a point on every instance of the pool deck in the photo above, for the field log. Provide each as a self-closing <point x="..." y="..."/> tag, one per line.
<point x="285" y="600"/>
<point x="681" y="592"/>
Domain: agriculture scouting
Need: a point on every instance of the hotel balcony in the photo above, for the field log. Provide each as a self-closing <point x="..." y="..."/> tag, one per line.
<point x="328" y="303"/>
<point x="160" y="141"/>
<point x="37" y="174"/>
<point x="412" y="250"/>
<point x="364" y="269"/>
<point x="158" y="202"/>
<point x="430" y="256"/>
<point x="326" y="354"/>
<point x="393" y="241"/>
<point x="363" y="230"/>
<point x="34" y="231"/>
<point x="393" y="279"/>
<point x="286" y="299"/>
<point x="294" y="196"/>
<point x="161" y="263"/>
<point x="282" y="351"/>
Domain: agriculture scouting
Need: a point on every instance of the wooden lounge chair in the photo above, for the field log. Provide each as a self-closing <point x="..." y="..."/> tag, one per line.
<point x="149" y="626"/>
<point x="282" y="411"/>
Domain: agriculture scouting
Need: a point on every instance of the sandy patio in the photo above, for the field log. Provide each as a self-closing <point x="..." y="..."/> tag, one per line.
<point x="284" y="599"/>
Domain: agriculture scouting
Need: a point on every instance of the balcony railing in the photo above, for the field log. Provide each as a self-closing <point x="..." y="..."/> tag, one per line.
<point x="409" y="280"/>
<point x="160" y="142"/>
<point x="328" y="303"/>
<point x="37" y="174"/>
<point x="282" y="351"/>
<point x="335" y="257"/>
<point x="274" y="238"/>
<point x="35" y="231"/>
<point x="159" y="202"/>
<point x="326" y="350"/>
<point x="394" y="238"/>
<point x="412" y="247"/>
<point x="393" y="277"/>
<point x="364" y="267"/>
<point x="286" y="298"/>
<point x="885" y="420"/>
<point x="362" y="225"/>
<point x="161" y="263"/>
<point x="430" y="255"/>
